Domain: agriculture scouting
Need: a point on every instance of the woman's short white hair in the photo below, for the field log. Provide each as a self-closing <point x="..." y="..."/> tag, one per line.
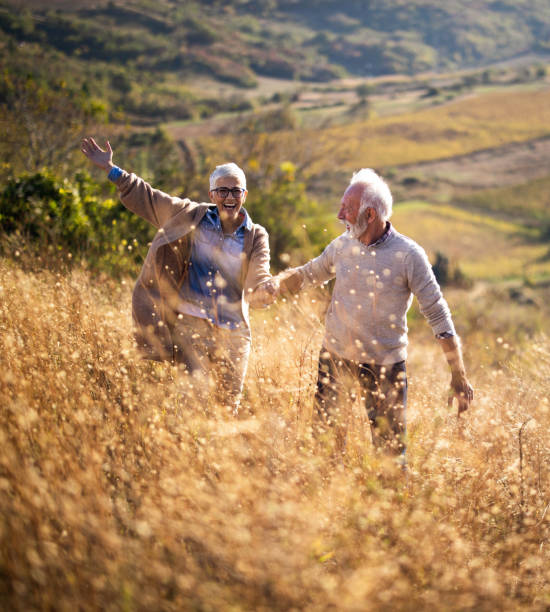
<point x="231" y="170"/>
<point x="376" y="193"/>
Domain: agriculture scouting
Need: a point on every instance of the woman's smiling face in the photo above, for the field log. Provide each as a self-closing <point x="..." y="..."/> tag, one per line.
<point x="225" y="196"/>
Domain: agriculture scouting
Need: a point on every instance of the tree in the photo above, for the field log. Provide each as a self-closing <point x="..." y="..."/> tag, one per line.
<point x="363" y="91"/>
<point x="362" y="107"/>
<point x="42" y="124"/>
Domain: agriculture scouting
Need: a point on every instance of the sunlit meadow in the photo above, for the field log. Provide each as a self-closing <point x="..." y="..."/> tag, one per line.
<point x="471" y="123"/>
<point x="118" y="494"/>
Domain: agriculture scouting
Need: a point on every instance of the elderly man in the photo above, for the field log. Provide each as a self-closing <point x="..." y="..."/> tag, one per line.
<point x="190" y="303"/>
<point x="377" y="271"/>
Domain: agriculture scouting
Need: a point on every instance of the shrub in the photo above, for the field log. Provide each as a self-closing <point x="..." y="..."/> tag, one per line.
<point x="447" y="274"/>
<point x="282" y="118"/>
<point x="282" y="209"/>
<point x="42" y="122"/>
<point x="42" y="210"/>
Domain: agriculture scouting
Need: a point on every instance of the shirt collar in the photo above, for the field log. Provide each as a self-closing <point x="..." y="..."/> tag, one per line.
<point x="213" y="215"/>
<point x="387" y="233"/>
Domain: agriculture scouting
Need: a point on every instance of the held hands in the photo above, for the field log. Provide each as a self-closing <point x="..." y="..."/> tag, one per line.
<point x="267" y="292"/>
<point x="285" y="284"/>
<point x="99" y="157"/>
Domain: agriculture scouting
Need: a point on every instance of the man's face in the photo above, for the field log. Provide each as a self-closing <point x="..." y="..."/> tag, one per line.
<point x="225" y="196"/>
<point x="350" y="203"/>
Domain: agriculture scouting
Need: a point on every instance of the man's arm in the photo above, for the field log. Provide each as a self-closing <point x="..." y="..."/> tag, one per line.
<point x="434" y="307"/>
<point x="291" y="281"/>
<point x="460" y="386"/>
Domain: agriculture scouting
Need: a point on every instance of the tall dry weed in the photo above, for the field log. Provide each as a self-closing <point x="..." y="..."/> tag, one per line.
<point x="117" y="494"/>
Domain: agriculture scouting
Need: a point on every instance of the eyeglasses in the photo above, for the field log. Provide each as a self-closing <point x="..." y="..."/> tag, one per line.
<point x="236" y="192"/>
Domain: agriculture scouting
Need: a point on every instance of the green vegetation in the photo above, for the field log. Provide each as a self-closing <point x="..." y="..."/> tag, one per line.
<point x="144" y="57"/>
<point x="295" y="224"/>
<point x="41" y="122"/>
<point x="526" y="202"/>
<point x="42" y="214"/>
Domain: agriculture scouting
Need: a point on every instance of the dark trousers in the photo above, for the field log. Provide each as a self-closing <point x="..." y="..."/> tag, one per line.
<point x="383" y="389"/>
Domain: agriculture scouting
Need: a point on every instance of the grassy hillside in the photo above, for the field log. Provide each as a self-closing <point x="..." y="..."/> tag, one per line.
<point x="311" y="40"/>
<point x="527" y="200"/>
<point x="327" y="156"/>
<point x="144" y="57"/>
<point x="118" y="490"/>
<point x="483" y="247"/>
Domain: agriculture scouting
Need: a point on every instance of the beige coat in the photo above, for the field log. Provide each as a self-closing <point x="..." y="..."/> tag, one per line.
<point x="157" y="291"/>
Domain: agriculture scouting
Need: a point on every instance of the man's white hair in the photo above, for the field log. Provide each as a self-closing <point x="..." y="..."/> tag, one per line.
<point x="231" y="170"/>
<point x="376" y="193"/>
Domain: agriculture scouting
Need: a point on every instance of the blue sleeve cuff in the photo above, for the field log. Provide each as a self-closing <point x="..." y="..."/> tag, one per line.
<point x="445" y="334"/>
<point x="114" y="174"/>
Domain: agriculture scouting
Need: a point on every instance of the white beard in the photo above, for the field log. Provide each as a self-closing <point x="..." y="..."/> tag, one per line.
<point x="357" y="229"/>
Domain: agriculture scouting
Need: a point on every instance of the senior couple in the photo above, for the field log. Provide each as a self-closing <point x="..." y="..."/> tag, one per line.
<point x="209" y="262"/>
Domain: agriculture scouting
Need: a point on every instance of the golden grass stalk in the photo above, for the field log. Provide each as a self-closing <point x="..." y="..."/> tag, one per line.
<point x="117" y="494"/>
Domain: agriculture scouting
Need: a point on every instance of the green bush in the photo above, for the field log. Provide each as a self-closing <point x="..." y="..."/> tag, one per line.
<point x="282" y="118"/>
<point x="42" y="122"/>
<point x="42" y="211"/>
<point x="447" y="274"/>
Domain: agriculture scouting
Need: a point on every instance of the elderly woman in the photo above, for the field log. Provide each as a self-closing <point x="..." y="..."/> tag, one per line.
<point x="190" y="302"/>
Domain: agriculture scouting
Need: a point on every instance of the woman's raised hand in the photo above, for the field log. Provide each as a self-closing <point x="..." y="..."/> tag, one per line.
<point x="99" y="157"/>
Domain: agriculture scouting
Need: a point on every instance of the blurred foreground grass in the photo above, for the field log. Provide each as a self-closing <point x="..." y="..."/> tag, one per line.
<point x="115" y="494"/>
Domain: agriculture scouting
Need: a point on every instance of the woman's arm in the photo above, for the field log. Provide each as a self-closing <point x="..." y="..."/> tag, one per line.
<point x="136" y="194"/>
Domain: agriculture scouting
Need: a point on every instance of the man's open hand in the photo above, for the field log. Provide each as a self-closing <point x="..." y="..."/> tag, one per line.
<point x="462" y="390"/>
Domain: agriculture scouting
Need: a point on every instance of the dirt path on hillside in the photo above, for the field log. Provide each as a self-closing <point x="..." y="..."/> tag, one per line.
<point x="510" y="164"/>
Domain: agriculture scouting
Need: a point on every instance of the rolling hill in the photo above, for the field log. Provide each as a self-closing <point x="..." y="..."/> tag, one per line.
<point x="144" y="57"/>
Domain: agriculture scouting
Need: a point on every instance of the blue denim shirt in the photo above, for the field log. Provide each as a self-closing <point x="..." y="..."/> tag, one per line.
<point x="212" y="289"/>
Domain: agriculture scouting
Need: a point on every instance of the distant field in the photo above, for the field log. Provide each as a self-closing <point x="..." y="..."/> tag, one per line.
<point x="483" y="247"/>
<point x="467" y="125"/>
<point x="458" y="128"/>
<point x="507" y="173"/>
<point x="528" y="199"/>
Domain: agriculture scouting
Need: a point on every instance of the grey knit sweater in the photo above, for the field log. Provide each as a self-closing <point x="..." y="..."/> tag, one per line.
<point x="367" y="317"/>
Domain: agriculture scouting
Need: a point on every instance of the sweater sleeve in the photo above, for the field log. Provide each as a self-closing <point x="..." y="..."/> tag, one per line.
<point x="423" y="284"/>
<point x="258" y="267"/>
<point x="153" y="205"/>
<point x="318" y="270"/>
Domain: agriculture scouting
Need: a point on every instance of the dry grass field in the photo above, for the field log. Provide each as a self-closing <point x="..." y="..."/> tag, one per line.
<point x="469" y="124"/>
<point x="120" y="492"/>
<point x="493" y="168"/>
<point x="117" y="493"/>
